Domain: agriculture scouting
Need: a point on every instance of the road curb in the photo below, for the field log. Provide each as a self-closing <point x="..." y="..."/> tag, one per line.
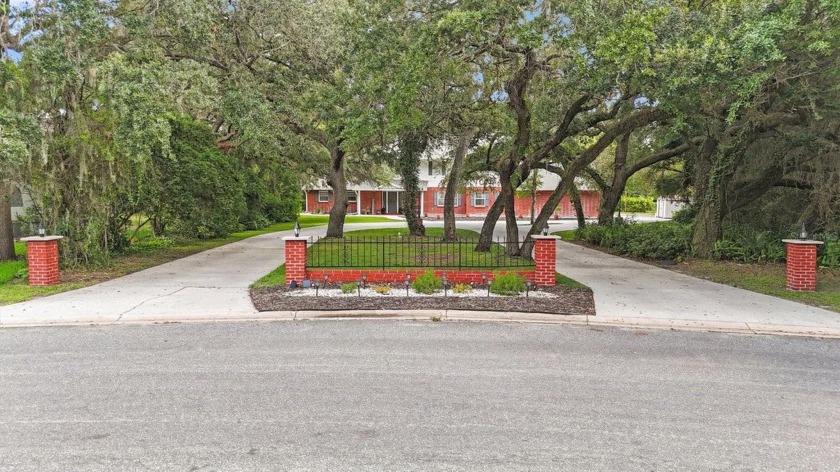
<point x="456" y="316"/>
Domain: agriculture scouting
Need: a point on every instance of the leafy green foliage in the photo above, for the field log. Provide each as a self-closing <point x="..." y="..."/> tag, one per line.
<point x="658" y="241"/>
<point x="744" y="244"/>
<point x="507" y="284"/>
<point x="349" y="288"/>
<point x="638" y="204"/>
<point x="427" y="283"/>
<point x="204" y="187"/>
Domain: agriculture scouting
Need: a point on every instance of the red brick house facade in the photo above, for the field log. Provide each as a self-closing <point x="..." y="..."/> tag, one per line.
<point x="473" y="201"/>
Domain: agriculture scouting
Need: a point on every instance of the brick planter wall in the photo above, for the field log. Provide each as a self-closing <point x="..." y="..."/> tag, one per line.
<point x="545" y="251"/>
<point x="395" y="275"/>
<point x="801" y="266"/>
<point x="42" y="256"/>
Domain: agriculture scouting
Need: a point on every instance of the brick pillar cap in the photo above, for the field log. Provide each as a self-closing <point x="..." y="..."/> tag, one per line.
<point x="299" y="238"/>
<point x="539" y="236"/>
<point x="802" y="241"/>
<point x="36" y="239"/>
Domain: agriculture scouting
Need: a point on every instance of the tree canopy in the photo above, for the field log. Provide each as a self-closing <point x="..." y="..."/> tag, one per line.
<point x="108" y="106"/>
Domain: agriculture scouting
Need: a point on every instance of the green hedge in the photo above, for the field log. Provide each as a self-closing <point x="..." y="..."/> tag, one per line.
<point x="660" y="241"/>
<point x="672" y="241"/>
<point x="638" y="204"/>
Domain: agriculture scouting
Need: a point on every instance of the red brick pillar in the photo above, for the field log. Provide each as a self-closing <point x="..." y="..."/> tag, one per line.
<point x="295" y="259"/>
<point x="42" y="254"/>
<point x="545" y="259"/>
<point x="801" y="267"/>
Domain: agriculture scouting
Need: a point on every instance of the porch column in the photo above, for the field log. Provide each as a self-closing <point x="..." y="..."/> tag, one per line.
<point x="358" y="202"/>
<point x="422" y="197"/>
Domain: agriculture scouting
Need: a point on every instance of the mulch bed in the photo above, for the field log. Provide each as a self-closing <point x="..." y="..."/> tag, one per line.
<point x="570" y="301"/>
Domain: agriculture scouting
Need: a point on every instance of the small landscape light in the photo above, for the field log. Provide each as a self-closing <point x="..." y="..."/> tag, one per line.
<point x="445" y="284"/>
<point x="528" y="285"/>
<point x="803" y="235"/>
<point x="483" y="278"/>
<point x="489" y="283"/>
<point x="359" y="287"/>
<point x="317" y="285"/>
<point x="297" y="228"/>
<point x="364" y="280"/>
<point x="41" y="230"/>
<point x="326" y="279"/>
<point x="407" y="283"/>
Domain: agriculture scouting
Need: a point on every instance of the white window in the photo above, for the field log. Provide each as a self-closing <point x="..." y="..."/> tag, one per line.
<point x="479" y="199"/>
<point x="437" y="168"/>
<point x="351" y="197"/>
<point x="323" y="196"/>
<point x="440" y="195"/>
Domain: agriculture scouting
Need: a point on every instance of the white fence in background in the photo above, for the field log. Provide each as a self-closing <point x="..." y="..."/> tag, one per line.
<point x="667" y="206"/>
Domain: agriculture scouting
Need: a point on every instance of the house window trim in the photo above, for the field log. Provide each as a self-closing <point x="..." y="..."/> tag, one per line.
<point x="459" y="199"/>
<point x="318" y="199"/>
<point x="485" y="196"/>
<point x="351" y="196"/>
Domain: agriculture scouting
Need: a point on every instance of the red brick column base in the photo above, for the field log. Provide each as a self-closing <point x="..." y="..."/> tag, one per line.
<point x="295" y="259"/>
<point x="42" y="254"/>
<point x="801" y="266"/>
<point x="545" y="260"/>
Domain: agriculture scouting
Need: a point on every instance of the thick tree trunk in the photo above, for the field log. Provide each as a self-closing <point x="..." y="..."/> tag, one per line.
<point x="511" y="227"/>
<point x="576" y="203"/>
<point x="412" y="146"/>
<point x="7" y="241"/>
<point x="611" y="197"/>
<point x="533" y="195"/>
<point x="485" y="237"/>
<point x="338" y="184"/>
<point x="544" y="214"/>
<point x="449" y="231"/>
<point x="707" y="228"/>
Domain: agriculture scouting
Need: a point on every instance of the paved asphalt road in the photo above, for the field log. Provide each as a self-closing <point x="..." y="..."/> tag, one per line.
<point x="384" y="395"/>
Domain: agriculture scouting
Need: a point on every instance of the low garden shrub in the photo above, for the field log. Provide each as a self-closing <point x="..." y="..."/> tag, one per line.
<point x="427" y="283"/>
<point x="508" y="284"/>
<point x="349" y="287"/>
<point x="382" y="289"/>
<point x="462" y="288"/>
<point x="744" y="244"/>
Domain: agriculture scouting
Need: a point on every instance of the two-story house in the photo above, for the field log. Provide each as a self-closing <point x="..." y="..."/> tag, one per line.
<point x="472" y="201"/>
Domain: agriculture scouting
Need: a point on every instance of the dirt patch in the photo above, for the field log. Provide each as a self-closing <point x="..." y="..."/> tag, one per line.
<point x="569" y="301"/>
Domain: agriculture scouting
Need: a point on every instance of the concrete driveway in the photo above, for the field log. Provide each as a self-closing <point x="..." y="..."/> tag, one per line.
<point x="208" y="285"/>
<point x="214" y="285"/>
<point x="627" y="291"/>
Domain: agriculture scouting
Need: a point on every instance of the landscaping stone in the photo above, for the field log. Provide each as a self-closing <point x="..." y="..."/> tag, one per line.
<point x="557" y="300"/>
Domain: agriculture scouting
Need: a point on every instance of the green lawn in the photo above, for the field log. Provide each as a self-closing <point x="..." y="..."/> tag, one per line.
<point x="768" y="279"/>
<point x="561" y="279"/>
<point x="567" y="235"/>
<point x="145" y="253"/>
<point x="392" y="247"/>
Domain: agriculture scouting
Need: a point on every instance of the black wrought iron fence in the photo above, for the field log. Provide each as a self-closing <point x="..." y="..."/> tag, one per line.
<point x="414" y="252"/>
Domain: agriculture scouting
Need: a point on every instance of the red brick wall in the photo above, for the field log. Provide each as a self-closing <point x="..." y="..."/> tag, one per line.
<point x="43" y="262"/>
<point x="398" y="275"/>
<point x="590" y="200"/>
<point x="545" y="255"/>
<point x="801" y="267"/>
<point x="295" y="259"/>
